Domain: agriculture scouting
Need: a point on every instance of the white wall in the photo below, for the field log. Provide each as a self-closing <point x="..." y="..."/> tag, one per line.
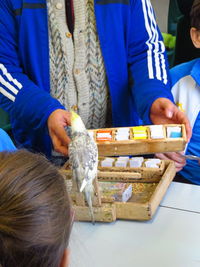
<point x="161" y="10"/>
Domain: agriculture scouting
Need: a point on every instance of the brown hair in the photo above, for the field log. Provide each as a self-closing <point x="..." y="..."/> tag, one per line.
<point x="35" y="212"/>
<point x="195" y="15"/>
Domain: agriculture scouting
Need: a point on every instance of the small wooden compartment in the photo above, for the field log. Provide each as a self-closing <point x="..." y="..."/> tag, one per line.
<point x="142" y="174"/>
<point x="138" y="146"/>
<point x="149" y="187"/>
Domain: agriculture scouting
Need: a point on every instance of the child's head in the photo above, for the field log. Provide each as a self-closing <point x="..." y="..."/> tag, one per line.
<point x="195" y="23"/>
<point x="35" y="214"/>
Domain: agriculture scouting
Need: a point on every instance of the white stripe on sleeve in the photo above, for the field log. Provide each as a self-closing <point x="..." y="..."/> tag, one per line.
<point x="156" y="44"/>
<point x="163" y="63"/>
<point x="8" y="85"/>
<point x="149" y="52"/>
<point x="162" y="49"/>
<point x="8" y="95"/>
<point x="9" y="76"/>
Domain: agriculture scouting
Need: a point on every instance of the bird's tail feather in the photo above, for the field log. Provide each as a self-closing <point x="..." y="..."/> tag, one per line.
<point x="88" y="196"/>
<point x="84" y="183"/>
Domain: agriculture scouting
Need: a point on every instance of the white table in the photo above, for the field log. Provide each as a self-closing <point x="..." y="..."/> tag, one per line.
<point x="171" y="239"/>
<point x="182" y="196"/>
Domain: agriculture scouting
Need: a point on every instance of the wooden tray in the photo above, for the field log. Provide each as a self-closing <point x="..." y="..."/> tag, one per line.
<point x="142" y="205"/>
<point x="141" y="146"/>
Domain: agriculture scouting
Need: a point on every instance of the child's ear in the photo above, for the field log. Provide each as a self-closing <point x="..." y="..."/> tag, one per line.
<point x="195" y="36"/>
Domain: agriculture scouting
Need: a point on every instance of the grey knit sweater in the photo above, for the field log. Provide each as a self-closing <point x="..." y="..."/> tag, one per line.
<point x="78" y="78"/>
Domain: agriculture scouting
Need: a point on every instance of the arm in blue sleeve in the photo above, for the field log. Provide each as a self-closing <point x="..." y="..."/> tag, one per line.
<point x="19" y="95"/>
<point x="147" y="59"/>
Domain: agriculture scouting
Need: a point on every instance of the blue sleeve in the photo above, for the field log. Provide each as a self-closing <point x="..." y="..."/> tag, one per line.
<point x="183" y="70"/>
<point x="6" y="143"/>
<point x="19" y="95"/>
<point x="147" y="59"/>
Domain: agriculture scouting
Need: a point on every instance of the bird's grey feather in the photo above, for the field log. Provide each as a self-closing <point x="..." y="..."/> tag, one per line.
<point x="83" y="155"/>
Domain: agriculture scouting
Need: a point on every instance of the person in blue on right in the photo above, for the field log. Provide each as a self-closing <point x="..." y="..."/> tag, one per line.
<point x="185" y="80"/>
<point x="6" y="144"/>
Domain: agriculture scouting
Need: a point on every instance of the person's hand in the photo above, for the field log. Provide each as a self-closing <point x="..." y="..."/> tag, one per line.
<point x="56" y="123"/>
<point x="177" y="157"/>
<point x="163" y="111"/>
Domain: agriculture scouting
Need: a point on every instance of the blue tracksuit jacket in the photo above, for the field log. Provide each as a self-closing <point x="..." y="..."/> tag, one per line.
<point x="133" y="53"/>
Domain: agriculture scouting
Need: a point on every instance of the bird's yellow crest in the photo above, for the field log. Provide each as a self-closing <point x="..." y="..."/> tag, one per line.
<point x="74" y="115"/>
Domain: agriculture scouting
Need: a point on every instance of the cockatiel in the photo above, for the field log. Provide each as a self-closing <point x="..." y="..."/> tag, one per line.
<point x="83" y="155"/>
